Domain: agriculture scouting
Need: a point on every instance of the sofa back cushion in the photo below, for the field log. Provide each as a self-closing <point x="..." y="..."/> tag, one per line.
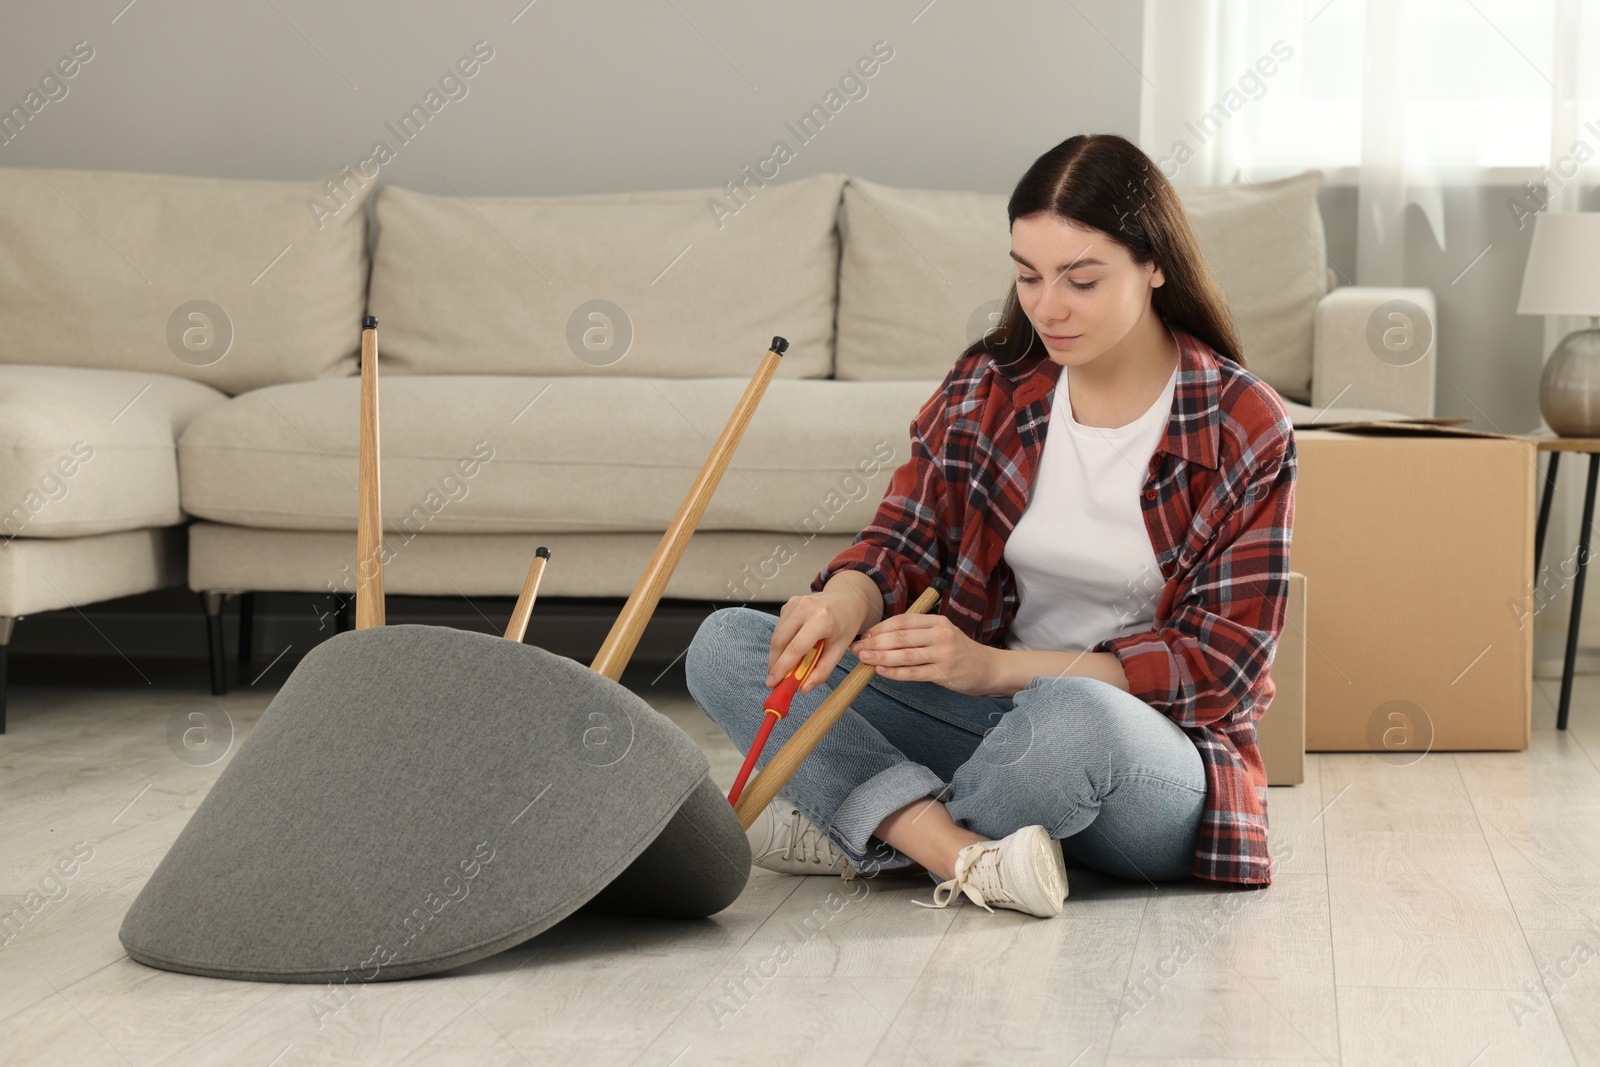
<point x="922" y="269"/>
<point x="919" y="267"/>
<point x="674" y="284"/>
<point x="1265" y="244"/>
<point x="233" y="283"/>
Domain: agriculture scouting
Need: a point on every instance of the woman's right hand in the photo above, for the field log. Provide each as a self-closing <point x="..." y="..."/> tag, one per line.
<point x="833" y="616"/>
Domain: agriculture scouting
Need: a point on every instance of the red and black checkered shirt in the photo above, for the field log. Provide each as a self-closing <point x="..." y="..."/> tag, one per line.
<point x="1218" y="503"/>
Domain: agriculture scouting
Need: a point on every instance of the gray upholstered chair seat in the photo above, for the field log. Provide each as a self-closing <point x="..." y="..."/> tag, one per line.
<point x="418" y="797"/>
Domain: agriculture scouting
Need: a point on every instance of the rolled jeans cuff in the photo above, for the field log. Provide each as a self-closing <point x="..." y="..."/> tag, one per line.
<point x="875" y="800"/>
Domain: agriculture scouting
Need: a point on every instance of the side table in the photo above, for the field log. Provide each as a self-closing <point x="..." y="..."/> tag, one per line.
<point x="1555" y="446"/>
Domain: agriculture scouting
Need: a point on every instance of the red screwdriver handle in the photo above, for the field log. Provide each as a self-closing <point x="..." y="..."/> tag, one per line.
<point x="783" y="693"/>
<point x="775" y="708"/>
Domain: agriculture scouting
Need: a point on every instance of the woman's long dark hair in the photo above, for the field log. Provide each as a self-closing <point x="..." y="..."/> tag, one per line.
<point x="1103" y="181"/>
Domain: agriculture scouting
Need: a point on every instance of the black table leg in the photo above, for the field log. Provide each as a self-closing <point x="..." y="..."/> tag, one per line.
<point x="1577" y="592"/>
<point x="1544" y="512"/>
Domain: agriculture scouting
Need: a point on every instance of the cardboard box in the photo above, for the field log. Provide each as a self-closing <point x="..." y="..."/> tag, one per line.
<point x="1417" y="537"/>
<point x="1281" y="730"/>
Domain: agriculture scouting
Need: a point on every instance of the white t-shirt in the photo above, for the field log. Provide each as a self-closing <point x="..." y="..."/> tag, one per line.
<point x="1081" y="554"/>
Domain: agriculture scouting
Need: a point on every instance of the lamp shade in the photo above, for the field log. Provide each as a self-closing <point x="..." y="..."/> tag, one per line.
<point x="1562" y="275"/>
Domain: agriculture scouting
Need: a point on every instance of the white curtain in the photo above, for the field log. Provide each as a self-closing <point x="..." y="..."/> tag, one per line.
<point x="1396" y="169"/>
<point x="1413" y="93"/>
<point x="1574" y="126"/>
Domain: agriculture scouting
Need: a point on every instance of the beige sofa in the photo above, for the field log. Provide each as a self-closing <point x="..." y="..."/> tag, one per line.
<point x="554" y="371"/>
<point x="129" y="304"/>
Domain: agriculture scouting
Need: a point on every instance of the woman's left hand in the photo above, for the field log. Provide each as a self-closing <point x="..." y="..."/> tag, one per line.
<point x="927" y="648"/>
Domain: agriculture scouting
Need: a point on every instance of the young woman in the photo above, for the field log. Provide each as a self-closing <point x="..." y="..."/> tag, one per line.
<point x="1089" y="686"/>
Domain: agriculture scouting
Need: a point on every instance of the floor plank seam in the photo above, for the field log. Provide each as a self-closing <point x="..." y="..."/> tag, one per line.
<point x="1327" y="900"/>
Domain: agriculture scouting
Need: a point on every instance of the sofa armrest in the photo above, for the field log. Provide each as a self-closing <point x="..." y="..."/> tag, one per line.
<point x="1347" y="370"/>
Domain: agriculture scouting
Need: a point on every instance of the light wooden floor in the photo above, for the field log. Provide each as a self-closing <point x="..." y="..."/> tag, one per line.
<point x="1443" y="912"/>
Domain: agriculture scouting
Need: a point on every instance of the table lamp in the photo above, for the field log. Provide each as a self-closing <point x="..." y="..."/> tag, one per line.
<point x="1562" y="277"/>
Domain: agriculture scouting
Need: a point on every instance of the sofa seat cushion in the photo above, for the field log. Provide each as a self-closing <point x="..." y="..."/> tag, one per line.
<point x="91" y="451"/>
<point x="489" y="453"/>
<point x="680" y="283"/>
<point x="42" y="574"/>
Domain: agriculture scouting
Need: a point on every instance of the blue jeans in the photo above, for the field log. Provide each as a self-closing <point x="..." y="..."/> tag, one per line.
<point x="1114" y="780"/>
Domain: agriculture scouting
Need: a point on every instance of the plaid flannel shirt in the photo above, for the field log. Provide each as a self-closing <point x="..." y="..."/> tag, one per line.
<point x="1218" y="502"/>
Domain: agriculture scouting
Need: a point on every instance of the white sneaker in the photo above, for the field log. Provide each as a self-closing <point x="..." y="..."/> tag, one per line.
<point x="784" y="840"/>
<point x="1025" y="871"/>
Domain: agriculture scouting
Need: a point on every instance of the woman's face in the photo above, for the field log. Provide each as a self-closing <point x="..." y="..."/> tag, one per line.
<point x="1080" y="289"/>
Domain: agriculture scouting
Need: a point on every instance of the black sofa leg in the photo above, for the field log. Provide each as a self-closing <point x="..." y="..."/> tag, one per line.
<point x="211" y="602"/>
<point x="6" y="622"/>
<point x="247" y="618"/>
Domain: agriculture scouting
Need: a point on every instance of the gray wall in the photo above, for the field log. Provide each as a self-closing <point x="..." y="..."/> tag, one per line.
<point x="578" y="97"/>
